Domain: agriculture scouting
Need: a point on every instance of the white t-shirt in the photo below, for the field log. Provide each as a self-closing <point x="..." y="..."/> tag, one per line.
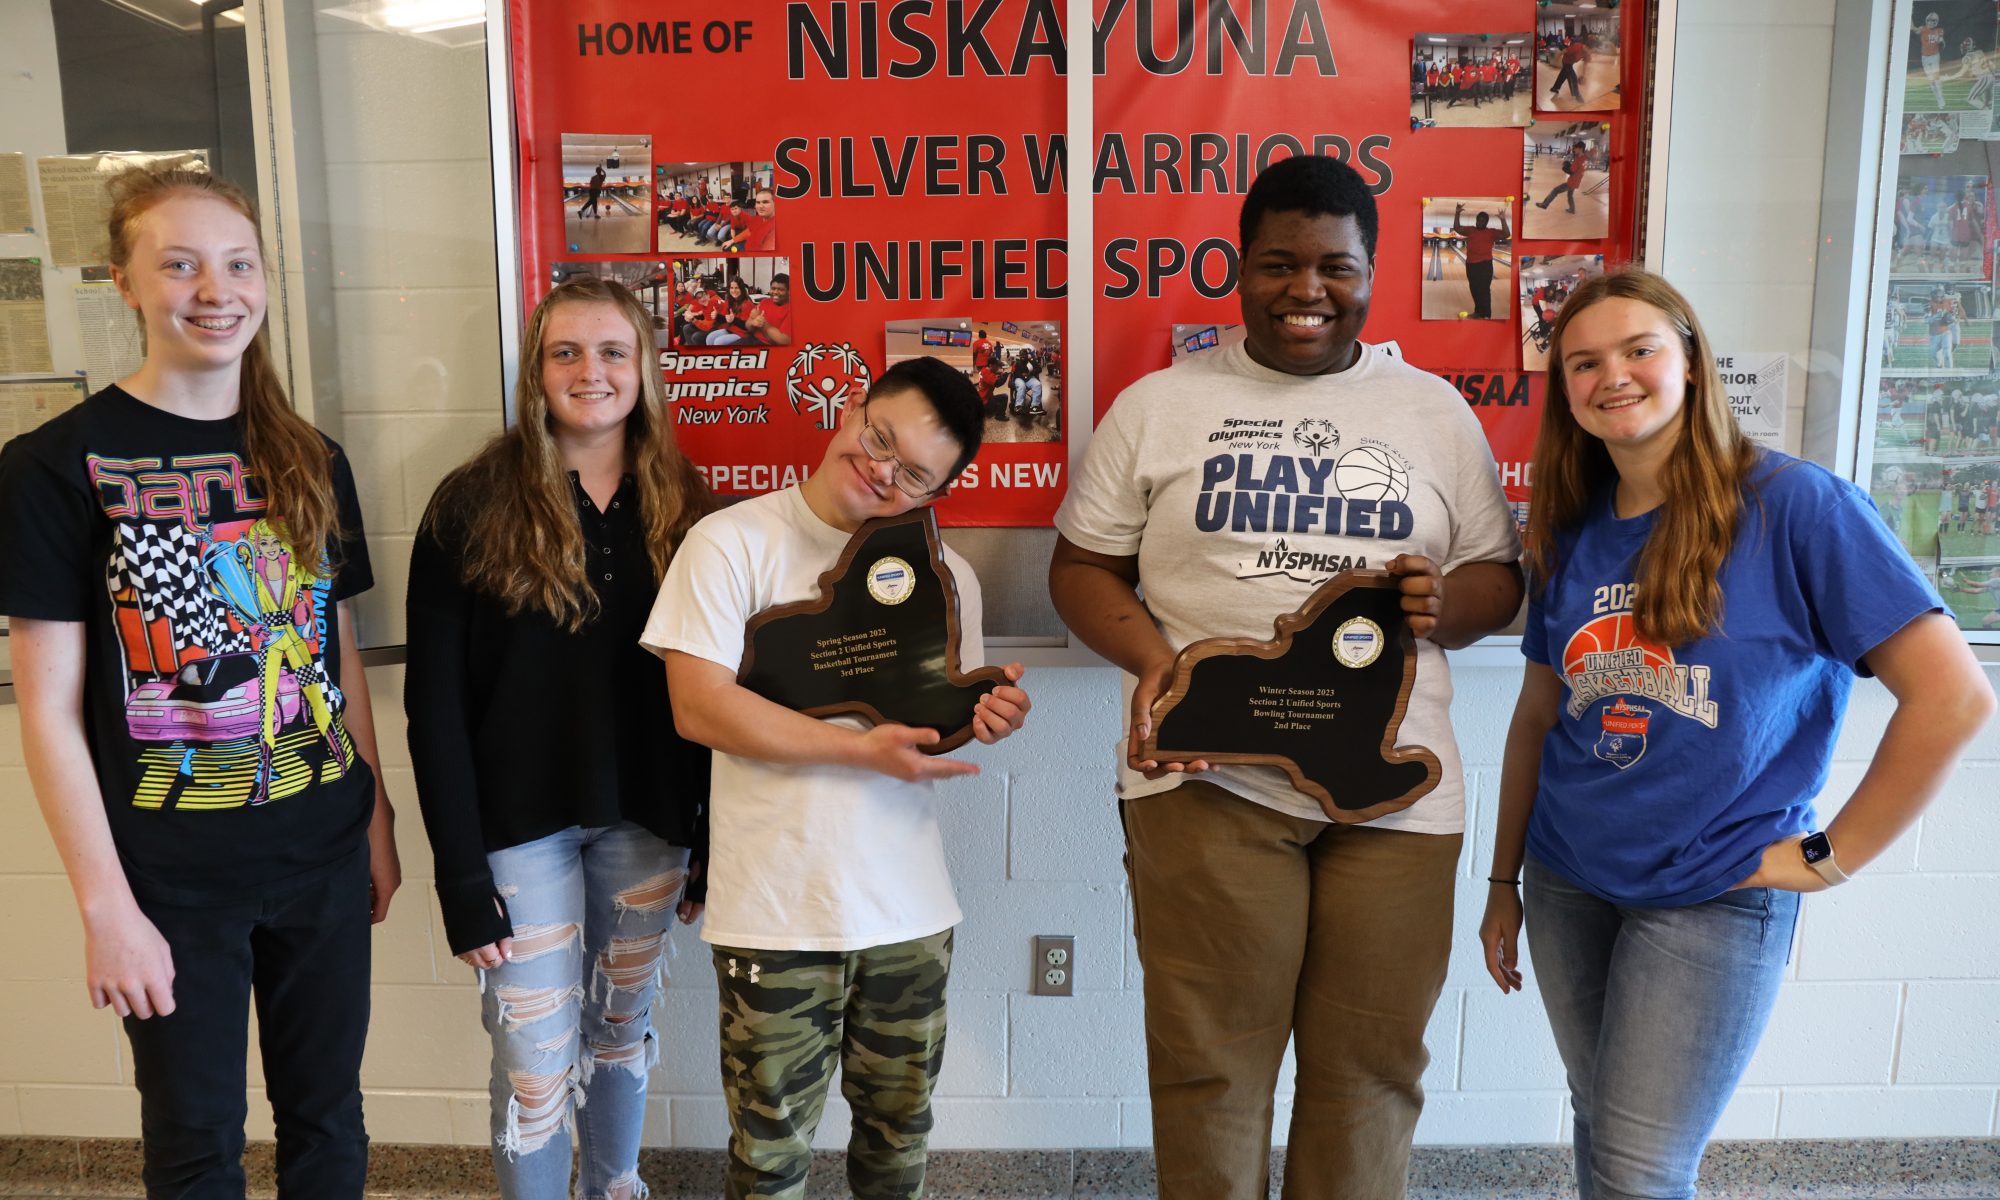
<point x="801" y="857"/>
<point x="1241" y="489"/>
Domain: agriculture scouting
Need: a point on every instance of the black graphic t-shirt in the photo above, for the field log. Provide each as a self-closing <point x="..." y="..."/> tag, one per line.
<point x="212" y="694"/>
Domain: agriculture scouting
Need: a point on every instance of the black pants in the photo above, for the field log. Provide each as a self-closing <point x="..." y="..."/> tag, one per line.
<point x="1479" y="277"/>
<point x="304" y="953"/>
<point x="1567" y="75"/>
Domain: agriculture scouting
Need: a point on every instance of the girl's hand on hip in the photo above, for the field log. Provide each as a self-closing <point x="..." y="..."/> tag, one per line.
<point x="1784" y="867"/>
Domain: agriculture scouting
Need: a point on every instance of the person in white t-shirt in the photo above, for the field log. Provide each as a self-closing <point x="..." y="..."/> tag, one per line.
<point x="830" y="910"/>
<point x="1229" y="487"/>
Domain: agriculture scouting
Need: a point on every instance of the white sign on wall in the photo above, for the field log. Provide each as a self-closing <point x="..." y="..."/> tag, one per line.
<point x="1756" y="387"/>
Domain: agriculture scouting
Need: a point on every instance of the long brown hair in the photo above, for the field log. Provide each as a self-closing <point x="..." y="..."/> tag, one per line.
<point x="512" y="502"/>
<point x="1704" y="478"/>
<point x="288" y="458"/>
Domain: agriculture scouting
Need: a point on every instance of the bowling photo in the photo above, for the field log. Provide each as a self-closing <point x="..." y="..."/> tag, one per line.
<point x="607" y="203"/>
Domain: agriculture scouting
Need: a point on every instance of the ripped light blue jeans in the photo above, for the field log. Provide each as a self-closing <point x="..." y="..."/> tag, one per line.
<point x="1656" y="1012"/>
<point x="571" y="1013"/>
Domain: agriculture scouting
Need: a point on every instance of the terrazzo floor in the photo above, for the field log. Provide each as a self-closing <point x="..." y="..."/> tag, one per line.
<point x="1884" y="1169"/>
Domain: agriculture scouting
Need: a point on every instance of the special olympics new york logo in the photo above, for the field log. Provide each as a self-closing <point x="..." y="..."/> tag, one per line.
<point x="1316" y="434"/>
<point x="822" y="379"/>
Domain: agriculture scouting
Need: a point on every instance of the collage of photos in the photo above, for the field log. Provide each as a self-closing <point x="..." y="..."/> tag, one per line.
<point x="1468" y="257"/>
<point x="1544" y="83"/>
<point x="1934" y="446"/>
<point x="1546" y="282"/>
<point x="1577" y="66"/>
<point x="1016" y="367"/>
<point x="606" y="193"/>
<point x="1469" y="80"/>
<point x="1953" y="53"/>
<point x="1566" y="178"/>
<point x="716" y="208"/>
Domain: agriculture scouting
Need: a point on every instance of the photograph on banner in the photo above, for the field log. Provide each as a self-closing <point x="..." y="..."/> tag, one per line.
<point x="1938" y="328"/>
<point x="1469" y="80"/>
<point x="1943" y="227"/>
<point x="1566" y="181"/>
<point x="716" y="208"/>
<point x="1016" y="366"/>
<point x="607" y="205"/>
<point x="1949" y="59"/>
<point x="1200" y="339"/>
<point x="1467" y="257"/>
<point x="1547" y="281"/>
<point x="654" y="284"/>
<point x="1509" y="407"/>
<point x="733" y="302"/>
<point x="1577" y="58"/>
<point x="1930" y="133"/>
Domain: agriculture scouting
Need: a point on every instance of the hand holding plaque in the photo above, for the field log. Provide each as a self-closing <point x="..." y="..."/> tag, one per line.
<point x="1324" y="700"/>
<point x="880" y="641"/>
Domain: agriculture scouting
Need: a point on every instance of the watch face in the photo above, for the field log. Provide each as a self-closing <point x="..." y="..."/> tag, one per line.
<point x="1816" y="848"/>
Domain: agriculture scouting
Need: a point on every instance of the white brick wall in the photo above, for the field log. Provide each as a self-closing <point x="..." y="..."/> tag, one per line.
<point x="1890" y="1026"/>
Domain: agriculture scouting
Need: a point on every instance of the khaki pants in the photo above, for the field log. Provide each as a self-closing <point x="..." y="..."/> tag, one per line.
<point x="1255" y="927"/>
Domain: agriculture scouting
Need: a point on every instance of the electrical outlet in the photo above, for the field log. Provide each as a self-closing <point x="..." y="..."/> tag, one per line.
<point x="1053" y="972"/>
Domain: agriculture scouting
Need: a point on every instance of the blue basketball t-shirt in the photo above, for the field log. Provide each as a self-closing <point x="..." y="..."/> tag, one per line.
<point x="1669" y="770"/>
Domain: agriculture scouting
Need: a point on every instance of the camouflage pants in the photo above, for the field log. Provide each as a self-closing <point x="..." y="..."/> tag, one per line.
<point x="787" y="1017"/>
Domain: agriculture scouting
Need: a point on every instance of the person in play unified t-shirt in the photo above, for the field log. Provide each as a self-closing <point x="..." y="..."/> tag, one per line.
<point x="1216" y="487"/>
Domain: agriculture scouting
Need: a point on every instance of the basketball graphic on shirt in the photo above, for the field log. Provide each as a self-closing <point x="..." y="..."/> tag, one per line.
<point x="1592" y="647"/>
<point x="1371" y="473"/>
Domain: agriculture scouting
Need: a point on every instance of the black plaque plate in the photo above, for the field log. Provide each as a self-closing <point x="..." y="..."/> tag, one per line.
<point x="881" y="640"/>
<point x="1323" y="699"/>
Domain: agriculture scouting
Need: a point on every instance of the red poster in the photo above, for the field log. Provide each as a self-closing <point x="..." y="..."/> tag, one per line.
<point x="804" y="194"/>
<point x="1194" y="97"/>
<point x="1509" y="407"/>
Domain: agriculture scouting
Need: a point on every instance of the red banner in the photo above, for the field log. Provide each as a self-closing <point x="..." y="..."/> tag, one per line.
<point x="899" y="179"/>
<point x="1509" y="407"/>
<point x="1193" y="99"/>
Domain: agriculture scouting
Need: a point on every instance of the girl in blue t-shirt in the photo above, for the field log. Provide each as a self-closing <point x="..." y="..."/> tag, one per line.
<point x="1698" y="611"/>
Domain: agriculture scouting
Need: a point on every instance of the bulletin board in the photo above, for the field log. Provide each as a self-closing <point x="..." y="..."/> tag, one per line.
<point x="941" y="175"/>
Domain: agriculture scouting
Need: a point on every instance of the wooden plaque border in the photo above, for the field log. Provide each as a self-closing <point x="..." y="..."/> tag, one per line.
<point x="1284" y="629"/>
<point x="831" y="577"/>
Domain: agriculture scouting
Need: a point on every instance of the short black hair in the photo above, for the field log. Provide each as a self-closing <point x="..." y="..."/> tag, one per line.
<point x="1314" y="185"/>
<point x="783" y="278"/>
<point x="952" y="397"/>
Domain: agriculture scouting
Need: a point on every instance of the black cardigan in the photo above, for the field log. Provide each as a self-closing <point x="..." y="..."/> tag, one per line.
<point x="520" y="729"/>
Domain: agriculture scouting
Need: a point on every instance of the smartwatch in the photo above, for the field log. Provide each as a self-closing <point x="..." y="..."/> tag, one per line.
<point x="1818" y="853"/>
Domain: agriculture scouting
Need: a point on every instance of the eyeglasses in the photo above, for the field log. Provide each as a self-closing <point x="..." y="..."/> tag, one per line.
<point x="877" y="446"/>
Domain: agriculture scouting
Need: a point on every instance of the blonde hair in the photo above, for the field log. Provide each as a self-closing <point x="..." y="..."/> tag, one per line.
<point x="290" y="460"/>
<point x="1704" y="478"/>
<point x="523" y="541"/>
